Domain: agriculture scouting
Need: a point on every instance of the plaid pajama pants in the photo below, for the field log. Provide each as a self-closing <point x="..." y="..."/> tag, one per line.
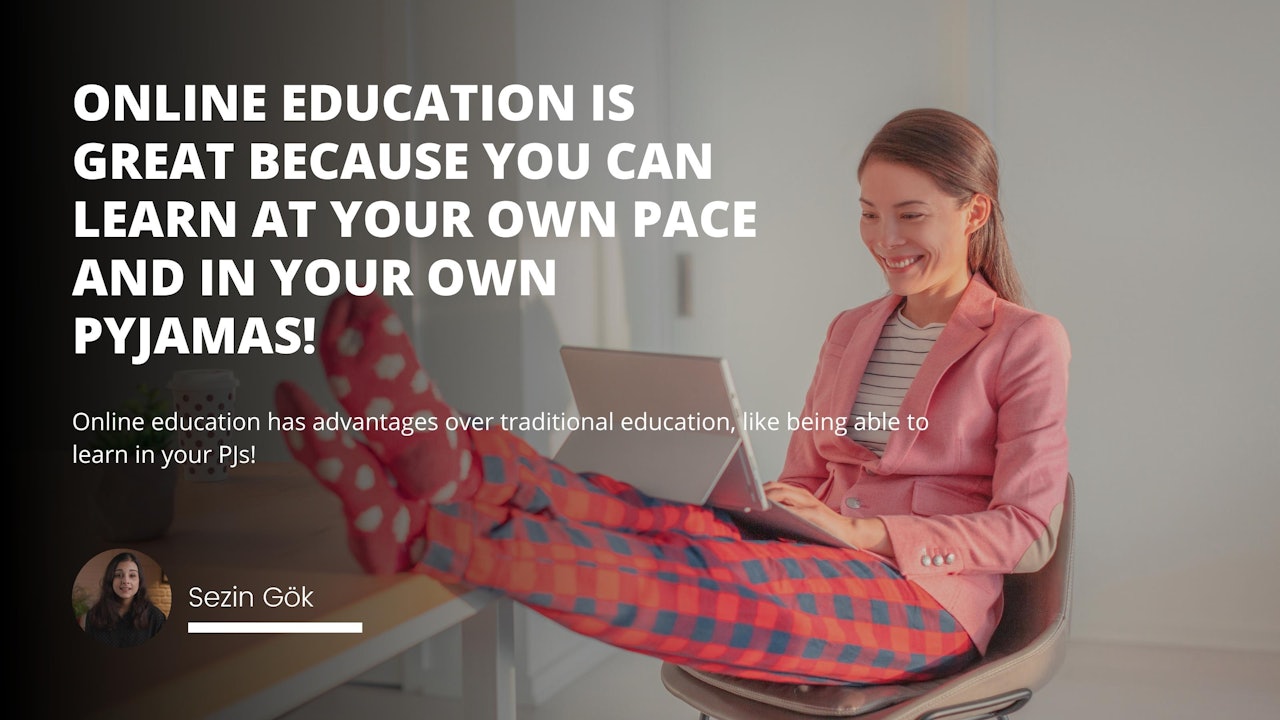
<point x="680" y="583"/>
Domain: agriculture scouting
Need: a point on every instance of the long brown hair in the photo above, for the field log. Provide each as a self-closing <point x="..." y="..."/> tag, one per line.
<point x="105" y="612"/>
<point x="961" y="160"/>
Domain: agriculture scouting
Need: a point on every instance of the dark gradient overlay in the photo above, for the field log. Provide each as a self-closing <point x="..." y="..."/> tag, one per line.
<point x="177" y="44"/>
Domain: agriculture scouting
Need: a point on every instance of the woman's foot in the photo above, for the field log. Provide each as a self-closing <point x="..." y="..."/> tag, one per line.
<point x="384" y="528"/>
<point x="385" y="480"/>
<point x="374" y="372"/>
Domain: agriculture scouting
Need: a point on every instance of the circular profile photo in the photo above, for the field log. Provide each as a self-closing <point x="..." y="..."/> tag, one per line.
<point x="121" y="598"/>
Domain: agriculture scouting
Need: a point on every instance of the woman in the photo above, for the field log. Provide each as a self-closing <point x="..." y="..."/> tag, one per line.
<point x="938" y="513"/>
<point x="123" y="616"/>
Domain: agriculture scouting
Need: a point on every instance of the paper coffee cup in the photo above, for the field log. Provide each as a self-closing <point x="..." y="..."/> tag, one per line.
<point x="199" y="398"/>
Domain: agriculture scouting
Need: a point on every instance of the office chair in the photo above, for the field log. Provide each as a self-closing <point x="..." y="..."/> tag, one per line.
<point x="1026" y="650"/>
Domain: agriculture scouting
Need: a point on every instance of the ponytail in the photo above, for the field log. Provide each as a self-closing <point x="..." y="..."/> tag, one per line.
<point x="961" y="160"/>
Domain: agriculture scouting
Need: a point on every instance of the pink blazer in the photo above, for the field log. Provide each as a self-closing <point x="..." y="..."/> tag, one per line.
<point x="980" y="492"/>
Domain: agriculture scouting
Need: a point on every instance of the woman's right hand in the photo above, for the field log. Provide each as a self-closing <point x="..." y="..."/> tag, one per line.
<point x="863" y="533"/>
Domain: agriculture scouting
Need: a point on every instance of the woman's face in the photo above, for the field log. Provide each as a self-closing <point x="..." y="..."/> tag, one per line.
<point x="917" y="234"/>
<point x="125" y="580"/>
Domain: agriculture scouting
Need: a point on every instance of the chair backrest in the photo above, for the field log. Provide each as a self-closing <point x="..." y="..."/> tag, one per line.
<point x="1038" y="603"/>
<point x="1026" y="650"/>
<point x="1028" y="646"/>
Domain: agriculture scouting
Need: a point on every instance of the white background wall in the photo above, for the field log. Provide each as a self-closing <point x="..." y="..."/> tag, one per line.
<point x="1139" y="165"/>
<point x="1140" y="153"/>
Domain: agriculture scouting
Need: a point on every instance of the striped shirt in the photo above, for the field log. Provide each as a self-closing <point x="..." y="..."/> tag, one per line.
<point x="899" y="353"/>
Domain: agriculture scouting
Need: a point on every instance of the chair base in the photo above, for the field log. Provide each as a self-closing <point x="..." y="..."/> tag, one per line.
<point x="1005" y="705"/>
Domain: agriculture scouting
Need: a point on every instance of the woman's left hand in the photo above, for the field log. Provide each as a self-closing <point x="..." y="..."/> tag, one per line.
<point x="862" y="533"/>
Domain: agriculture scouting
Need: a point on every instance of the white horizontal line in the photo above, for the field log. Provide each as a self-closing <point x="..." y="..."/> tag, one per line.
<point x="204" y="628"/>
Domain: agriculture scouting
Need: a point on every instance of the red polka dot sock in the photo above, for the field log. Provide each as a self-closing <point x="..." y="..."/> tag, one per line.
<point x="386" y="479"/>
<point x="385" y="530"/>
<point x="374" y="372"/>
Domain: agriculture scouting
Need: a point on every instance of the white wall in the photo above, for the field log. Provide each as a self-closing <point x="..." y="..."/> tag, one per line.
<point x="1139" y="160"/>
<point x="1139" y="168"/>
<point x="1136" y="151"/>
<point x="788" y="94"/>
<point x="1140" y="157"/>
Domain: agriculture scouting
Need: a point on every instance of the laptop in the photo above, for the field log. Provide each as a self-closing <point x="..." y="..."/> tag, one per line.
<point x="671" y="426"/>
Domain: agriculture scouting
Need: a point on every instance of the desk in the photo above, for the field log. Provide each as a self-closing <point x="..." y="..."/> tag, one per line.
<point x="273" y="525"/>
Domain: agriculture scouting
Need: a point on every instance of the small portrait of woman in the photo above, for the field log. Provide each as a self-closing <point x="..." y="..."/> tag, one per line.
<point x="123" y="613"/>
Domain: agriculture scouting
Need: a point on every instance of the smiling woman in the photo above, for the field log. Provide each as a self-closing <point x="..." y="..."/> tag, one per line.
<point x="930" y="190"/>
<point x="919" y="236"/>
<point x="123" y="614"/>
<point x="965" y="484"/>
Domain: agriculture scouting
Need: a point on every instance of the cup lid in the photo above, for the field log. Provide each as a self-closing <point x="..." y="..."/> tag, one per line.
<point x="208" y="379"/>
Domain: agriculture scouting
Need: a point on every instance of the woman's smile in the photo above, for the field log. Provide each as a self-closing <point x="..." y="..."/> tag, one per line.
<point x="919" y="235"/>
<point x="900" y="262"/>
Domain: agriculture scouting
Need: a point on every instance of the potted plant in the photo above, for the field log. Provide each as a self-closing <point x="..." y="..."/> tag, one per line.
<point x="81" y="602"/>
<point x="134" y="500"/>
